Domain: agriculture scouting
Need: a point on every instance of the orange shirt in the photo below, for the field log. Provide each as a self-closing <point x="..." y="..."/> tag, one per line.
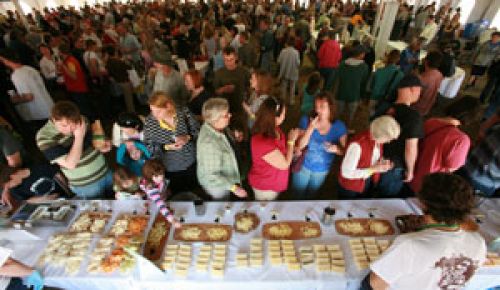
<point x="356" y="19"/>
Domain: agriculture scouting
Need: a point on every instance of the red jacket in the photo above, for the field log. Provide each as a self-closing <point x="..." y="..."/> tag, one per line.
<point x="329" y="54"/>
<point x="367" y="144"/>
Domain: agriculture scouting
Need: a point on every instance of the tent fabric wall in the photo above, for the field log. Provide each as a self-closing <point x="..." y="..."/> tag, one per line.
<point x="483" y="9"/>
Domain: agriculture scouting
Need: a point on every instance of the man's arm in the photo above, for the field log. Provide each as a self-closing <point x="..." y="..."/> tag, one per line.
<point x="14" y="160"/>
<point x="22" y="98"/>
<point x="377" y="283"/>
<point x="13" y="268"/>
<point x="75" y="153"/>
<point x="411" y="153"/>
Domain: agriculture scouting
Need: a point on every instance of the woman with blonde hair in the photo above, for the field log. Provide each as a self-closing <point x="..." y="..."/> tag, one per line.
<point x="169" y="134"/>
<point x="363" y="162"/>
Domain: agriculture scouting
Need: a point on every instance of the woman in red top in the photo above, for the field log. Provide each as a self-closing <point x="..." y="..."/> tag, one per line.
<point x="271" y="153"/>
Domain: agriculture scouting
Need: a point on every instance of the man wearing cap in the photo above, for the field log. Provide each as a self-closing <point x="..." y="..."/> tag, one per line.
<point x="403" y="151"/>
<point x="32" y="101"/>
<point x="166" y="78"/>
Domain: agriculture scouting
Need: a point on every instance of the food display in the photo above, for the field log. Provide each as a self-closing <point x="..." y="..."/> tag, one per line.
<point x="157" y="238"/>
<point x="91" y="222"/>
<point x="181" y="256"/>
<point x="412" y="223"/>
<point x="361" y="227"/>
<point x="283" y="252"/>
<point x="291" y="230"/>
<point x="66" y="250"/>
<point x="45" y="214"/>
<point x="327" y="258"/>
<point x="110" y="255"/>
<point x="203" y="233"/>
<point x="367" y="250"/>
<point x="245" y="222"/>
<point x="129" y="224"/>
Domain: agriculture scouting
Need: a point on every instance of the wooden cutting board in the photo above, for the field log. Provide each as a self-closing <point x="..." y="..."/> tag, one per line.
<point x="157" y="238"/>
<point x="364" y="227"/>
<point x="203" y="233"/>
<point x="291" y="230"/>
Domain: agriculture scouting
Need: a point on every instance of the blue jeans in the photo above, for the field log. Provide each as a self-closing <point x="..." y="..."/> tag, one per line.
<point x="494" y="102"/>
<point x="306" y="183"/>
<point x="95" y="189"/>
<point x="391" y="182"/>
<point x="482" y="182"/>
<point x="328" y="75"/>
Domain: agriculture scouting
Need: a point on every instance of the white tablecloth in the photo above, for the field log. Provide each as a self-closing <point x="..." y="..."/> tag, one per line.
<point x="450" y="86"/>
<point x="267" y="277"/>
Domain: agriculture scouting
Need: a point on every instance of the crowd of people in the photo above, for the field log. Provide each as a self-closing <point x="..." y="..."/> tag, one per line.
<point x="100" y="92"/>
<point x="218" y="131"/>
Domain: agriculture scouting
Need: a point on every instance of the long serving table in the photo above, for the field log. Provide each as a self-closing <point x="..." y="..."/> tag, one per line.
<point x="28" y="248"/>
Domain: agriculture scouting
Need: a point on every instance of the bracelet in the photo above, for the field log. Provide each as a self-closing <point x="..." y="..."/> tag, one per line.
<point x="167" y="147"/>
<point x="370" y="171"/>
<point x="98" y="137"/>
<point x="234" y="188"/>
<point x="290" y="143"/>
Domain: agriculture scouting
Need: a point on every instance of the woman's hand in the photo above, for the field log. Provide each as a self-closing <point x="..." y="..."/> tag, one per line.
<point x="314" y="123"/>
<point x="240" y="192"/>
<point x="383" y="166"/>
<point x="180" y="141"/>
<point x="293" y="135"/>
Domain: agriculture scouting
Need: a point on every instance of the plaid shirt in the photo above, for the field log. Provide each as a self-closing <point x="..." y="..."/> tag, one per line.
<point x="217" y="164"/>
<point x="485" y="157"/>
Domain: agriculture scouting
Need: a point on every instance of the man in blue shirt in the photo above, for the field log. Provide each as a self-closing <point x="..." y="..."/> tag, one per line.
<point x="410" y="56"/>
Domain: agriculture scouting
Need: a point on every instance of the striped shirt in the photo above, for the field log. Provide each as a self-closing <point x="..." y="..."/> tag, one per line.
<point x="56" y="146"/>
<point x="154" y="194"/>
<point x="156" y="137"/>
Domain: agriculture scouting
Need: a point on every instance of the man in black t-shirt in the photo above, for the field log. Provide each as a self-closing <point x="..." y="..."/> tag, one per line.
<point x="24" y="183"/>
<point x="403" y="151"/>
<point x="11" y="149"/>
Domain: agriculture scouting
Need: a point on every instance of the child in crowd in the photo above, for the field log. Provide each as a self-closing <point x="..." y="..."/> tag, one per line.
<point x="132" y="155"/>
<point x="310" y="92"/>
<point x="126" y="185"/>
<point x="154" y="184"/>
<point x="129" y="126"/>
